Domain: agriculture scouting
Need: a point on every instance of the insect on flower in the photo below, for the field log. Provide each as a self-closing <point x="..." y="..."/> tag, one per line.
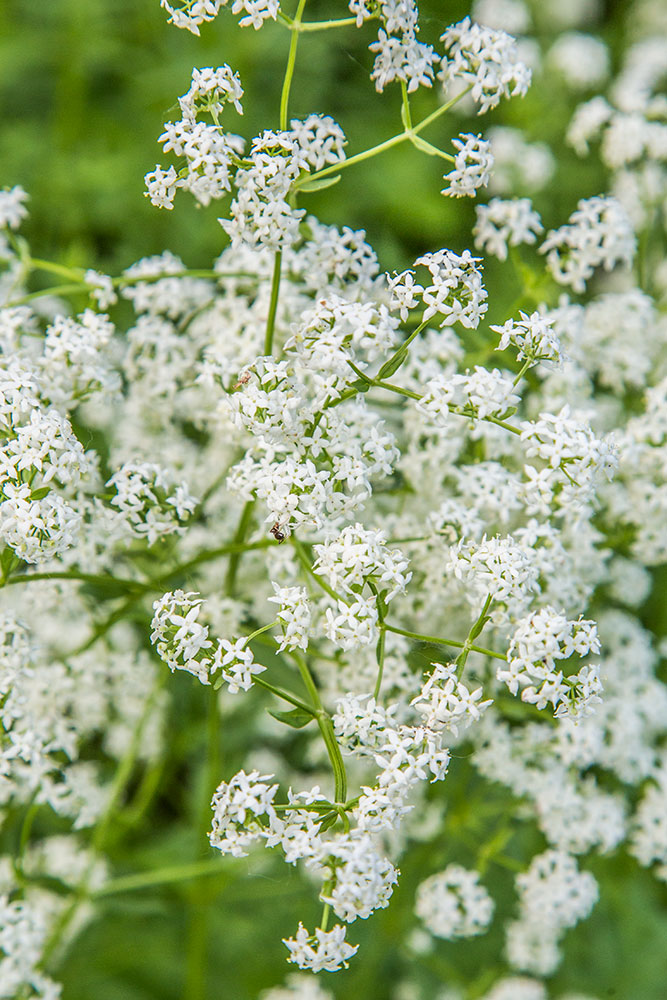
<point x="279" y="535"/>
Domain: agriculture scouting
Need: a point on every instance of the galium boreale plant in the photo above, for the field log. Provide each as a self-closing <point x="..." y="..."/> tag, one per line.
<point x="346" y="494"/>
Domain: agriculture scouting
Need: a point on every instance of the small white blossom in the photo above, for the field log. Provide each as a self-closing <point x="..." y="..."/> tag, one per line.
<point x="323" y="950"/>
<point x="487" y="60"/>
<point x="453" y="904"/>
<point x="472" y="166"/>
<point x="505" y="223"/>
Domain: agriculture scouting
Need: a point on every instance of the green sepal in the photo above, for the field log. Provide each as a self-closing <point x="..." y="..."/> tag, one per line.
<point x="297" y="718"/>
<point x="478" y="627"/>
<point x="325" y="182"/>
<point x="327" y="822"/>
<point x="391" y="366"/>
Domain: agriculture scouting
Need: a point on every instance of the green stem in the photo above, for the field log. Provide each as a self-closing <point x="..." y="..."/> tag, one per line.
<point x="122" y="776"/>
<point x="305" y="562"/>
<point x="387" y="144"/>
<point x="273" y="304"/>
<point x="291" y="60"/>
<point x="380" y="661"/>
<point x="326" y="729"/>
<point x="475" y="630"/>
<point x="169" y="875"/>
<point x="285" y="695"/>
<point x="235" y="557"/>
<point x="437" y="640"/>
<point x="341" y="22"/>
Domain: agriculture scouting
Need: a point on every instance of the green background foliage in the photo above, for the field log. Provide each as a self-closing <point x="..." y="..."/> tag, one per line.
<point x="86" y="86"/>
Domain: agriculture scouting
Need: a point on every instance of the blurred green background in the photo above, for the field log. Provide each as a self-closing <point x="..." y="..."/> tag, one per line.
<point x="86" y="86"/>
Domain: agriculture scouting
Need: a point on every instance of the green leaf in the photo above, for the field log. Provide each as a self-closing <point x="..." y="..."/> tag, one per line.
<point x="320" y="185"/>
<point x="40" y="493"/>
<point x="328" y="822"/>
<point x="391" y="366"/>
<point x="297" y="718"/>
<point x="8" y="561"/>
<point x="360" y="384"/>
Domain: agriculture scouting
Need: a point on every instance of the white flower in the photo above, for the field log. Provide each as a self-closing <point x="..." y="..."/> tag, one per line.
<point x="533" y="335"/>
<point x="598" y="234"/>
<point x="12" y="207"/>
<point x="487" y="60"/>
<point x="472" y="166"/>
<point x="505" y="223"/>
<point x="323" y="950"/>
<point x="456" y="292"/>
<point x="453" y="904"/>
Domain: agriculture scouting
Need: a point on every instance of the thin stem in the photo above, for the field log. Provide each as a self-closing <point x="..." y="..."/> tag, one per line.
<point x="387" y="144"/>
<point x="326" y="728"/>
<point x="291" y="60"/>
<point x="475" y="630"/>
<point x="285" y="695"/>
<point x="122" y="776"/>
<point x="380" y="661"/>
<point x="235" y="557"/>
<point x="273" y="304"/>
<point x="162" y="876"/>
<point x="321" y="582"/>
<point x="341" y="22"/>
<point x="437" y="640"/>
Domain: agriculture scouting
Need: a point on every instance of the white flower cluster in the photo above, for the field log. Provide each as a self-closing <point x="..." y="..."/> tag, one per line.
<point x="399" y="56"/>
<point x="498" y="567"/>
<point x="12" y="207"/>
<point x="149" y="502"/>
<point x="238" y="809"/>
<point x="481" y="394"/>
<point x="538" y="641"/>
<point x="210" y="154"/>
<point x="294" y="616"/>
<point x="261" y="214"/>
<point x="505" y="223"/>
<point x="39" y="457"/>
<point x="191" y="13"/>
<point x="575" y="458"/>
<point x="23" y="932"/>
<point x="553" y="895"/>
<point x="533" y="336"/>
<point x="445" y="703"/>
<point x="453" y="904"/>
<point x="75" y="363"/>
<point x="456" y="292"/>
<point x="297" y="987"/>
<point x="322" y="951"/>
<point x="472" y="166"/>
<point x="486" y="61"/>
<point x="597" y="234"/>
<point x="183" y="643"/>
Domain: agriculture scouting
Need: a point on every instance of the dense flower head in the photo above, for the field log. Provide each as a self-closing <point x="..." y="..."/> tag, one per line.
<point x="456" y="292"/>
<point x="472" y="166"/>
<point x="486" y="60"/>
<point x="502" y="224"/>
<point x="598" y="234"/>
<point x="533" y="336"/>
<point x="453" y="904"/>
<point x="323" y="950"/>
